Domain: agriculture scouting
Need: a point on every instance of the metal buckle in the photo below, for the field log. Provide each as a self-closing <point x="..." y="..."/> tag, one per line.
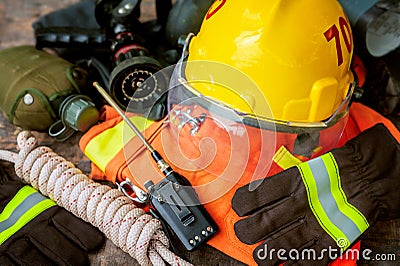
<point x="186" y="118"/>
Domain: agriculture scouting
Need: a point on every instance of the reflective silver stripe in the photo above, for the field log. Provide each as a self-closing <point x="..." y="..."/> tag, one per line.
<point x="328" y="202"/>
<point x="21" y="209"/>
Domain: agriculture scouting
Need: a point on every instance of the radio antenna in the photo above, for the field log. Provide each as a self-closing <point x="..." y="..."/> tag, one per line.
<point x="108" y="98"/>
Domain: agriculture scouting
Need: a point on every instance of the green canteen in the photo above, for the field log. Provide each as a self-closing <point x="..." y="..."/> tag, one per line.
<point x="33" y="85"/>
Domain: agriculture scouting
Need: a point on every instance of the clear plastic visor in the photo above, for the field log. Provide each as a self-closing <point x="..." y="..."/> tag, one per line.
<point x="180" y="90"/>
<point x="235" y="147"/>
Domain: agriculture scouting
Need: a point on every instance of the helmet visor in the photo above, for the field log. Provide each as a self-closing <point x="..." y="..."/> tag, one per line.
<point x="229" y="81"/>
<point x="211" y="136"/>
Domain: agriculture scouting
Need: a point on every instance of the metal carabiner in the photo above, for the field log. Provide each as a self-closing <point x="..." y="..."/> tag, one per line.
<point x="141" y="196"/>
<point x="186" y="118"/>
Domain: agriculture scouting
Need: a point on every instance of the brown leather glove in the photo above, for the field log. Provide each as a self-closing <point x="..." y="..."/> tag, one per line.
<point x="35" y="231"/>
<point x="323" y="204"/>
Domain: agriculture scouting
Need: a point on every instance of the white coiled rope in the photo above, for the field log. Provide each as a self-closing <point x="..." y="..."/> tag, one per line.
<point x="129" y="227"/>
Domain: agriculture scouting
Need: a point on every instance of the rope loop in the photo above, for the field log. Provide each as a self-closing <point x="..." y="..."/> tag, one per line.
<point x="126" y="225"/>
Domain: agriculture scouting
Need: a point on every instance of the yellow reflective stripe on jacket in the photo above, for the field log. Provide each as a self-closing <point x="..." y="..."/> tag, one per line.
<point x="24" y="207"/>
<point x="103" y="148"/>
<point x="340" y="219"/>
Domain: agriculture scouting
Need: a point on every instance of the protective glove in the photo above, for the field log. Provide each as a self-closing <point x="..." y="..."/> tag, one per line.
<point x="322" y="205"/>
<point x="35" y="231"/>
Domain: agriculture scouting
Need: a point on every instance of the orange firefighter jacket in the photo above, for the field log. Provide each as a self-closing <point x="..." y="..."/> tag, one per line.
<point x="117" y="155"/>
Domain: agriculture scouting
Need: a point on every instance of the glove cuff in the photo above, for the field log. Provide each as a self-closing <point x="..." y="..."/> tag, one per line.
<point x="369" y="173"/>
<point x="21" y="209"/>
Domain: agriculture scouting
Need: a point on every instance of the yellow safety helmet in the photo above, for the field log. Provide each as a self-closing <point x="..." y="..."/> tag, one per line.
<point x="297" y="52"/>
<point x="276" y="68"/>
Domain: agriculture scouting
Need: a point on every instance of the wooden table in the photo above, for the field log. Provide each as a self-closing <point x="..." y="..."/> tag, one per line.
<point x="16" y="17"/>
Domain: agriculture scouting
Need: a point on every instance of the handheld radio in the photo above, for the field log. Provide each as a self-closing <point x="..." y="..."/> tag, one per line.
<point x="173" y="198"/>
